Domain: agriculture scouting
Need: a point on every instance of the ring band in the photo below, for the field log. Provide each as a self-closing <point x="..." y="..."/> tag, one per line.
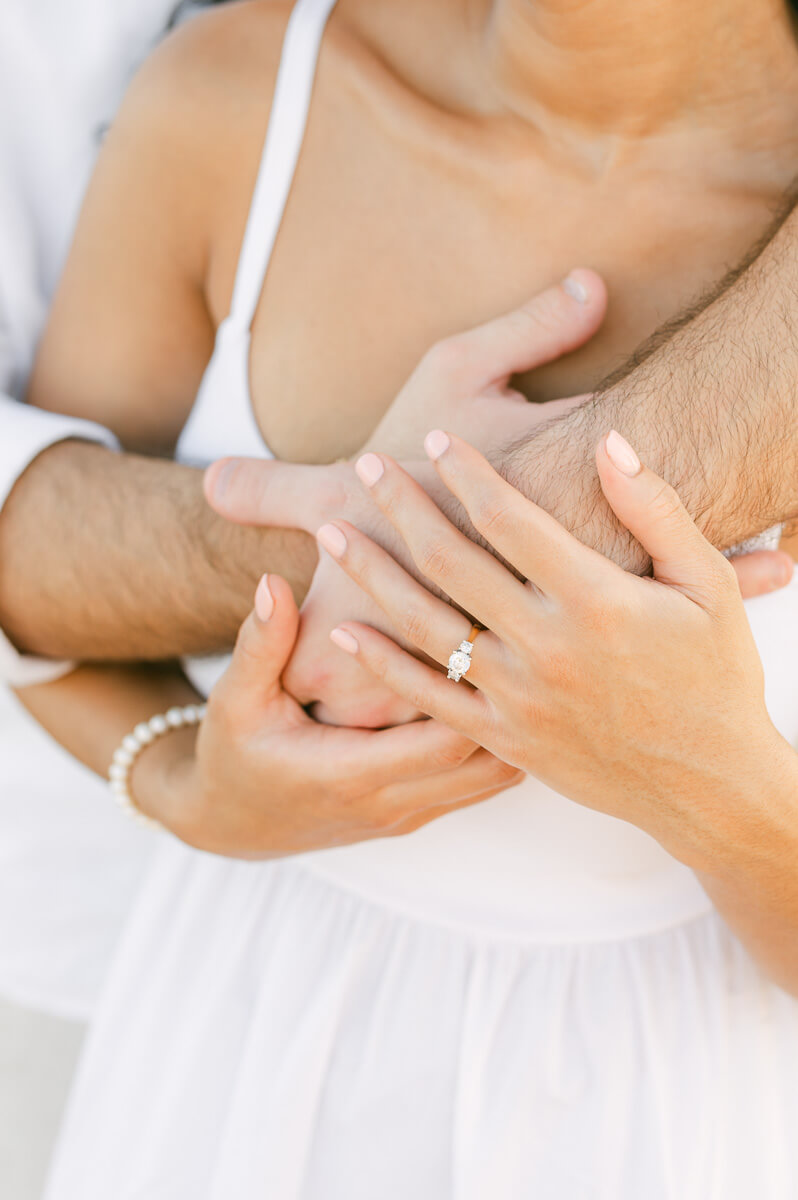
<point x="460" y="659"/>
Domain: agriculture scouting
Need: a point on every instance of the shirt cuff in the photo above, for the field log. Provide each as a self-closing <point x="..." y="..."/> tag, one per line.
<point x="26" y="432"/>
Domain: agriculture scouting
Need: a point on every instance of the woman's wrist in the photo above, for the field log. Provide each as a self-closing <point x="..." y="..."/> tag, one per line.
<point x="160" y="781"/>
<point x="754" y="836"/>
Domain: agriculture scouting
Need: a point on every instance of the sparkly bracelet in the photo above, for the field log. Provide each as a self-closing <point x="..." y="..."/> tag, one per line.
<point x="132" y="746"/>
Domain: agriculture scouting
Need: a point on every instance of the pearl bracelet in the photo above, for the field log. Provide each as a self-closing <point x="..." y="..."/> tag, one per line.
<point x="132" y="746"/>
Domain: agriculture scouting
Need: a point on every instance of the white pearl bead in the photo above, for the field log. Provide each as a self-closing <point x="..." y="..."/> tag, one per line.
<point x="119" y="787"/>
<point x="131" y="744"/>
<point x="117" y="772"/>
<point x="144" y="734"/>
<point x="159" y="725"/>
<point x="123" y="757"/>
<point x="175" y="718"/>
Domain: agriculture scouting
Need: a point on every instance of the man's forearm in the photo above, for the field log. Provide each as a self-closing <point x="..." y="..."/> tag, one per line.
<point x="710" y="403"/>
<point x="106" y="556"/>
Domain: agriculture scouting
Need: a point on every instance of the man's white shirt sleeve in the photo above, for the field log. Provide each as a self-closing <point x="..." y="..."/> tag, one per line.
<point x="24" y="433"/>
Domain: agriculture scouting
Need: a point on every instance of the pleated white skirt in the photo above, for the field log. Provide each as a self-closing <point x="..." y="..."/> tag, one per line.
<point x="284" y="1038"/>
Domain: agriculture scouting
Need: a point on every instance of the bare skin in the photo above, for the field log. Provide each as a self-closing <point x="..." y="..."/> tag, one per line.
<point x="716" y="783"/>
<point x="496" y="133"/>
<point x="439" y="173"/>
<point x="441" y="162"/>
<point x="94" y="517"/>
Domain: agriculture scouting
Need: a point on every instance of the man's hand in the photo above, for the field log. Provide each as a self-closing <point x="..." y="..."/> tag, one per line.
<point x="464" y="380"/>
<point x="265" y="781"/>
<point x="464" y="384"/>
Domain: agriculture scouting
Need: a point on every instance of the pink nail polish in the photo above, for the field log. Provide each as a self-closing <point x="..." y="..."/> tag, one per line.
<point x="332" y="539"/>
<point x="264" y="601"/>
<point x="621" y="455"/>
<point x="576" y="290"/>
<point x="344" y="641"/>
<point x="436" y="444"/>
<point x="369" y="469"/>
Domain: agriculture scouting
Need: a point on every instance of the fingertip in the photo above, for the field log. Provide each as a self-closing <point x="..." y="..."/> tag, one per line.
<point x="787" y="567"/>
<point x="620" y="455"/>
<point x="345" y="640"/>
<point x="264" y="600"/>
<point x="586" y="287"/>
<point x="436" y="443"/>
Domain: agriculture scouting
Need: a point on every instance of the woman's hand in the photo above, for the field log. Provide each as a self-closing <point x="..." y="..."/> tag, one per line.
<point x="263" y="780"/>
<point x="465" y="383"/>
<point x="639" y="697"/>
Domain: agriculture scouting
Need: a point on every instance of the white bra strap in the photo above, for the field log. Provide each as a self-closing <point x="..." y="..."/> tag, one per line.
<point x="286" y="131"/>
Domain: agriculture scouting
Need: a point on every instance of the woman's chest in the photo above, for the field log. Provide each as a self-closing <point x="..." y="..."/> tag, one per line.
<point x="382" y="251"/>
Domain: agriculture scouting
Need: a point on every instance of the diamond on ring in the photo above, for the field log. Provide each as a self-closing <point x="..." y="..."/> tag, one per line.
<point x="460" y="661"/>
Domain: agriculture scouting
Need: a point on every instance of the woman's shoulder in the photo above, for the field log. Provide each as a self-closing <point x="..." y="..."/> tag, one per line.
<point x="213" y="66"/>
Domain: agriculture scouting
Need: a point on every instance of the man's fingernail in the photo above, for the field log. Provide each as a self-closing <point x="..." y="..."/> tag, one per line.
<point x="621" y="455"/>
<point x="436" y="443"/>
<point x="344" y="641"/>
<point x="221" y="478"/>
<point x="576" y="290"/>
<point x="333" y="541"/>
<point x="264" y="600"/>
<point x="782" y="572"/>
<point x="369" y="469"/>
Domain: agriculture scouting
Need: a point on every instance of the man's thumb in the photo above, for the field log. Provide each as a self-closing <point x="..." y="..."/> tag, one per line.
<point x="254" y="491"/>
<point x="554" y="322"/>
<point x="652" y="511"/>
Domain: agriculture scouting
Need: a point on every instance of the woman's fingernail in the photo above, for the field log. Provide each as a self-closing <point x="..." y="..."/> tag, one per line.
<point x="576" y="290"/>
<point x="369" y="469"/>
<point x="333" y="541"/>
<point x="621" y="455"/>
<point x="264" y="600"/>
<point x="436" y="443"/>
<point x="344" y="641"/>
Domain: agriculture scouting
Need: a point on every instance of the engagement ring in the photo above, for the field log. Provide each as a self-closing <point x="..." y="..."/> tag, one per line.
<point x="460" y="659"/>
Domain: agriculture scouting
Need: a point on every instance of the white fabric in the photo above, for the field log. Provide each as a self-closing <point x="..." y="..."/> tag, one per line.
<point x="525" y="999"/>
<point x="69" y="863"/>
<point x="26" y="433"/>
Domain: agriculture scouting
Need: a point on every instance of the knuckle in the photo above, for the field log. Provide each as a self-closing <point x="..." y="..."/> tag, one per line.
<point x="415" y="623"/>
<point x="451" y="755"/>
<point x="722" y="580"/>
<point x="447" y="358"/>
<point x="724" y="573"/>
<point x="434" y="560"/>
<point x="541" y="318"/>
<point x="505" y="773"/>
<point x="492" y="519"/>
<point x="665" y="503"/>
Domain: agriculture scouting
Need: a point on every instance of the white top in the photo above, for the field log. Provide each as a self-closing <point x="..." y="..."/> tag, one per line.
<point x="527" y="863"/>
<point x="68" y="861"/>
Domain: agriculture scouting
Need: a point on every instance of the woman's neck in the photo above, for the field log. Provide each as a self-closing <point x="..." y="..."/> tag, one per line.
<point x="629" y="68"/>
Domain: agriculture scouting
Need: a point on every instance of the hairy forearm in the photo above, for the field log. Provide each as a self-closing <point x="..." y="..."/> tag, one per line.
<point x="106" y="556"/>
<point x="711" y="404"/>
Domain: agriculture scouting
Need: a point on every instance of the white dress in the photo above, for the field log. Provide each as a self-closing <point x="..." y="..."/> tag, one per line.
<point x="526" y="999"/>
